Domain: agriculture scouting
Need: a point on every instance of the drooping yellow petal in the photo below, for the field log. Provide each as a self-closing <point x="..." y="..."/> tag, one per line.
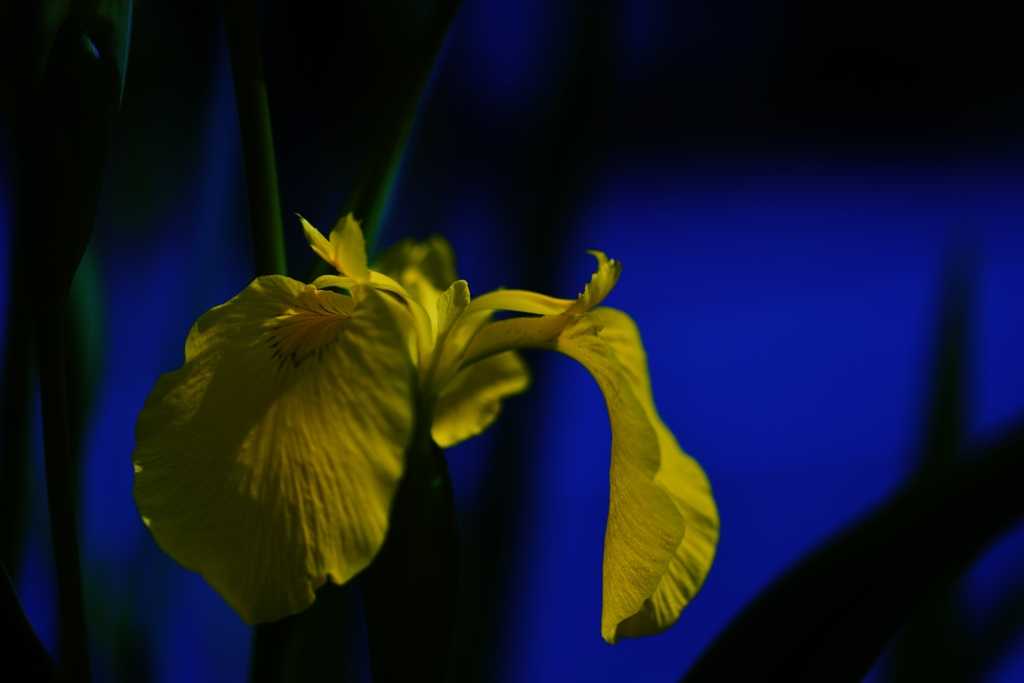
<point x="645" y="527"/>
<point x="521" y="301"/>
<point x="472" y="401"/>
<point x="681" y="477"/>
<point x="346" y="249"/>
<point x="601" y="284"/>
<point x="556" y="313"/>
<point x="515" y="333"/>
<point x="268" y="462"/>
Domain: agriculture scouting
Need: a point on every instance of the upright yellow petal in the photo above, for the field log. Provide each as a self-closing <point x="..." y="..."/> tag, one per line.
<point x="319" y="244"/>
<point x="268" y="462"/>
<point x="681" y="477"/>
<point x="431" y="261"/>
<point x="472" y="401"/>
<point x="346" y="249"/>
<point x="450" y="307"/>
<point x="350" y="246"/>
<point x="424" y="269"/>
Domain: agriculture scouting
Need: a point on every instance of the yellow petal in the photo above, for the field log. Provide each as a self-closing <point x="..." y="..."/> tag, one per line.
<point x="521" y="301"/>
<point x="479" y="310"/>
<point x="450" y="307"/>
<point x="319" y="244"/>
<point x="424" y="269"/>
<point x="346" y="249"/>
<point x="268" y="462"/>
<point x="645" y="527"/>
<point x="350" y="247"/>
<point x="515" y="333"/>
<point x="472" y="401"/>
<point x="681" y="477"/>
<point x="431" y="261"/>
<point x="600" y="285"/>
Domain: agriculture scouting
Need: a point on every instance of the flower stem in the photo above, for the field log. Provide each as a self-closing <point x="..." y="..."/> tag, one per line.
<point x="270" y="643"/>
<point x="60" y="493"/>
<point x="410" y="589"/>
<point x="257" y="138"/>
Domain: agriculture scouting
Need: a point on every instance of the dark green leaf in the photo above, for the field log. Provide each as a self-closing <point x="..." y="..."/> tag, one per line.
<point x="932" y="646"/>
<point x="109" y="24"/>
<point x="368" y="198"/>
<point x="72" y="128"/>
<point x="25" y="657"/>
<point x="830" y="617"/>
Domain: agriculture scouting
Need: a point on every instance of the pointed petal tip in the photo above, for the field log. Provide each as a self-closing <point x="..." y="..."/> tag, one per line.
<point x="600" y="286"/>
<point x="349" y="247"/>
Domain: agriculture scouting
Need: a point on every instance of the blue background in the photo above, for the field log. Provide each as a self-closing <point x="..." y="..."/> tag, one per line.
<point x="782" y="253"/>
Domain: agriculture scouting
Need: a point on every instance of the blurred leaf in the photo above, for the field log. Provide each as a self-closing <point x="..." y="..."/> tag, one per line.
<point x="410" y="589"/>
<point x="831" y="616"/>
<point x="27" y="31"/>
<point x="257" y="137"/>
<point x="109" y="23"/>
<point x="369" y="196"/>
<point x="25" y="657"/>
<point x="83" y="347"/>
<point x="16" y="444"/>
<point x="67" y="153"/>
<point x="933" y="646"/>
<point x="947" y="416"/>
<point x="996" y="636"/>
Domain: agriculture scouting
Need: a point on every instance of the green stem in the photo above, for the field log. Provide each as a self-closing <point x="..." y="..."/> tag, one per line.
<point x="60" y="492"/>
<point x="410" y="589"/>
<point x="270" y="644"/>
<point x="257" y="137"/>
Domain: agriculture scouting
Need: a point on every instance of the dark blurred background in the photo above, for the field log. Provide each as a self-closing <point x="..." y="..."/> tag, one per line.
<point x="785" y="184"/>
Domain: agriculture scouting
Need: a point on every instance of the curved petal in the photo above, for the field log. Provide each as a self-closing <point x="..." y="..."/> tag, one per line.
<point x="472" y="401"/>
<point x="601" y="283"/>
<point x="521" y="301"/>
<point x="419" y="330"/>
<point x="645" y="527"/>
<point x="515" y="333"/>
<point x="681" y="477"/>
<point x="268" y="462"/>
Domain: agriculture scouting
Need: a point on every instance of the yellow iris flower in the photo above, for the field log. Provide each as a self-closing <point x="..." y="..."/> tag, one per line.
<point x="268" y="462"/>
